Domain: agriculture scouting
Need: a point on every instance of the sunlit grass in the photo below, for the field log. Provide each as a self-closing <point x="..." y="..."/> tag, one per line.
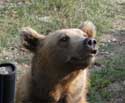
<point x="48" y="15"/>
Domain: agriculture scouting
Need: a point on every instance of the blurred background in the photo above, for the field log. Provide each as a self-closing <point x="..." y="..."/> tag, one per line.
<point x="107" y="83"/>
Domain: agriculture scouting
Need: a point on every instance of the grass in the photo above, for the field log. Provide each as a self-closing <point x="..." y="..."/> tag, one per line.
<point x="48" y="15"/>
<point x="111" y="73"/>
<point x="101" y="80"/>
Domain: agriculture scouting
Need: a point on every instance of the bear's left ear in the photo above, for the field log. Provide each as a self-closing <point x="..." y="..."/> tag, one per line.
<point x="89" y="28"/>
<point x="30" y="39"/>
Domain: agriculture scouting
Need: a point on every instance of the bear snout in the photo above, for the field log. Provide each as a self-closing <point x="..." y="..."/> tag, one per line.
<point x="90" y="44"/>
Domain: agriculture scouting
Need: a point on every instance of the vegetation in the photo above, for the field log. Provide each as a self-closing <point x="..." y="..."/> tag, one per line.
<point x="112" y="72"/>
<point x="48" y="15"/>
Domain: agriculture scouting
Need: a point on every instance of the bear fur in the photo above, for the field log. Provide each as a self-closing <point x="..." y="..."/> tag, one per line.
<point x="59" y="71"/>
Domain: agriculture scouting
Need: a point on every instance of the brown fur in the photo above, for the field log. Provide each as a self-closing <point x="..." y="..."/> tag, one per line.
<point x="52" y="79"/>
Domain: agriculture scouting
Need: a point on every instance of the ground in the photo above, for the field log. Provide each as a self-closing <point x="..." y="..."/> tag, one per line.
<point x="110" y="67"/>
<point x="107" y="83"/>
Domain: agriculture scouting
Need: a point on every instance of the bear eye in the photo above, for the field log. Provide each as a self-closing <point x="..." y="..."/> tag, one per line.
<point x="64" y="39"/>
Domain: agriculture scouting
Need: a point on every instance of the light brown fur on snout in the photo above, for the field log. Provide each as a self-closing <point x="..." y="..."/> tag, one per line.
<point x="53" y="78"/>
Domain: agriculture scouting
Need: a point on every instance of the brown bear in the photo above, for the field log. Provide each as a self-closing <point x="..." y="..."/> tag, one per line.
<point x="59" y="72"/>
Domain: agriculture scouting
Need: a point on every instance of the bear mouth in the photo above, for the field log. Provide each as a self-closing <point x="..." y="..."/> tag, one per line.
<point x="81" y="62"/>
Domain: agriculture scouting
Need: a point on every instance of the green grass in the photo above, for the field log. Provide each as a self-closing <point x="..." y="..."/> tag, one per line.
<point x="111" y="73"/>
<point x="101" y="80"/>
<point x="58" y="14"/>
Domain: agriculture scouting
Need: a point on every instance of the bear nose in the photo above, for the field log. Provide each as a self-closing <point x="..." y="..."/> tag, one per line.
<point x="90" y="43"/>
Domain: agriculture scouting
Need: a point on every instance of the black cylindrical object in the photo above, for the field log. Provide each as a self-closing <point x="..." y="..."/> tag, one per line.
<point x="7" y="82"/>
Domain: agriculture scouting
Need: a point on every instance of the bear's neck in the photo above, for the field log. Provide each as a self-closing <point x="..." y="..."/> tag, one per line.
<point x="72" y="88"/>
<point x="45" y="78"/>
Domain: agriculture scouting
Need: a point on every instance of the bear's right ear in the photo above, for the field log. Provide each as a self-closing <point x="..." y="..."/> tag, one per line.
<point x="89" y="28"/>
<point x="30" y="39"/>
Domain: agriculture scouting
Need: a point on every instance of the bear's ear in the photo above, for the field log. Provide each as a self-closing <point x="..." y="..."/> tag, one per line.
<point x="30" y="39"/>
<point x="89" y="28"/>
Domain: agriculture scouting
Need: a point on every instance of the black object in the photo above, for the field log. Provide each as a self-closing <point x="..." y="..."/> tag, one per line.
<point x="7" y="83"/>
